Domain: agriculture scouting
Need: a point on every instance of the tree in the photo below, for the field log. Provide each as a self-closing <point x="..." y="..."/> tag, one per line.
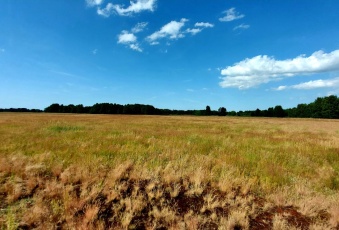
<point x="222" y="111"/>
<point x="256" y="113"/>
<point x="79" y="108"/>
<point x="279" y="111"/>
<point x="270" y="112"/>
<point x="330" y="107"/>
<point x="208" y="111"/>
<point x="232" y="113"/>
<point x="303" y="110"/>
<point x="53" y="108"/>
<point x="147" y="109"/>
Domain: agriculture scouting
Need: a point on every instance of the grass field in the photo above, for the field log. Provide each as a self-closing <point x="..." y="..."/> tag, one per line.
<point x="167" y="172"/>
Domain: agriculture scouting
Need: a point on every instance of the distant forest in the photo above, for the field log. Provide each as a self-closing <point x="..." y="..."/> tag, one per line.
<point x="322" y="107"/>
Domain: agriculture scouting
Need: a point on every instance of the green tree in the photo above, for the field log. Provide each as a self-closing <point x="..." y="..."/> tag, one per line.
<point x="279" y="111"/>
<point x="256" y="113"/>
<point x="53" y="108"/>
<point x="270" y="112"/>
<point x="303" y="110"/>
<point x="330" y="107"/>
<point x="208" y="111"/>
<point x="222" y="111"/>
<point x="232" y="113"/>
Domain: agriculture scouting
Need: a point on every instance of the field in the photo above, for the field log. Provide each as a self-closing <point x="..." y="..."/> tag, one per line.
<point x="167" y="172"/>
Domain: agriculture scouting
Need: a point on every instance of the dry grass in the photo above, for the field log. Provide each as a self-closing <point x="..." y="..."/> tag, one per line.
<point x="152" y="172"/>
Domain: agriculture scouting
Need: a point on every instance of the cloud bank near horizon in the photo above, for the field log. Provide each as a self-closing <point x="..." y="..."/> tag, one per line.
<point x="262" y="69"/>
<point x="316" y="84"/>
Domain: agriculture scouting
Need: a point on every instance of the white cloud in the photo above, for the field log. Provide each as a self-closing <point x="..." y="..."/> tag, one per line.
<point x="139" y="27"/>
<point x="126" y="37"/>
<point x="171" y="30"/>
<point x="203" y="24"/>
<point x="194" y="31"/>
<point x="282" y="87"/>
<point x="231" y="15"/>
<point x="199" y="26"/>
<point x="107" y="11"/>
<point x="242" y="27"/>
<point x="94" y="2"/>
<point x="135" y="6"/>
<point x="262" y="69"/>
<point x="95" y="51"/>
<point x="329" y="83"/>
<point x="129" y="39"/>
<point x="135" y="47"/>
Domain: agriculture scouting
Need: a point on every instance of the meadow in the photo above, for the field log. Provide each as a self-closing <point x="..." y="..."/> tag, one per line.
<point x="67" y="171"/>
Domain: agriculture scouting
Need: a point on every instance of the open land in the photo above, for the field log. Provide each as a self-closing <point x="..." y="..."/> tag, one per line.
<point x="71" y="171"/>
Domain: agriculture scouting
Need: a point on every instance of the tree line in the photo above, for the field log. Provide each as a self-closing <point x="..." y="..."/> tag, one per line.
<point x="131" y="109"/>
<point x="322" y="107"/>
<point x="21" y="110"/>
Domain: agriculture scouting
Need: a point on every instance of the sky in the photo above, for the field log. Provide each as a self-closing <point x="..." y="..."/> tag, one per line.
<point x="174" y="54"/>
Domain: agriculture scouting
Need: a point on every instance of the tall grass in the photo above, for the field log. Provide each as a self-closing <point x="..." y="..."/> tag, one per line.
<point x="282" y="160"/>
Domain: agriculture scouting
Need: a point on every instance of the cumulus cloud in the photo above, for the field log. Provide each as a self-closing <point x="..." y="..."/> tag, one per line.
<point x="139" y="27"/>
<point x="282" y="87"/>
<point x="231" y="15"/>
<point x="107" y="11"/>
<point x="262" y="69"/>
<point x="126" y="37"/>
<point x="194" y="31"/>
<point x="328" y="83"/>
<point x="135" y="7"/>
<point x="241" y="27"/>
<point x="94" y="2"/>
<point x="198" y="27"/>
<point x="135" y="47"/>
<point x="171" y="30"/>
<point x="203" y="24"/>
<point x="129" y="39"/>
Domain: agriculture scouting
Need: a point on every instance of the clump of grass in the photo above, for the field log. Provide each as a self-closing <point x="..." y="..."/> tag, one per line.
<point x="10" y="221"/>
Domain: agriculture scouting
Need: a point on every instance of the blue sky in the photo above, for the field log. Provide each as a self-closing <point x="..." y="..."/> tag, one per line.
<point x="176" y="54"/>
